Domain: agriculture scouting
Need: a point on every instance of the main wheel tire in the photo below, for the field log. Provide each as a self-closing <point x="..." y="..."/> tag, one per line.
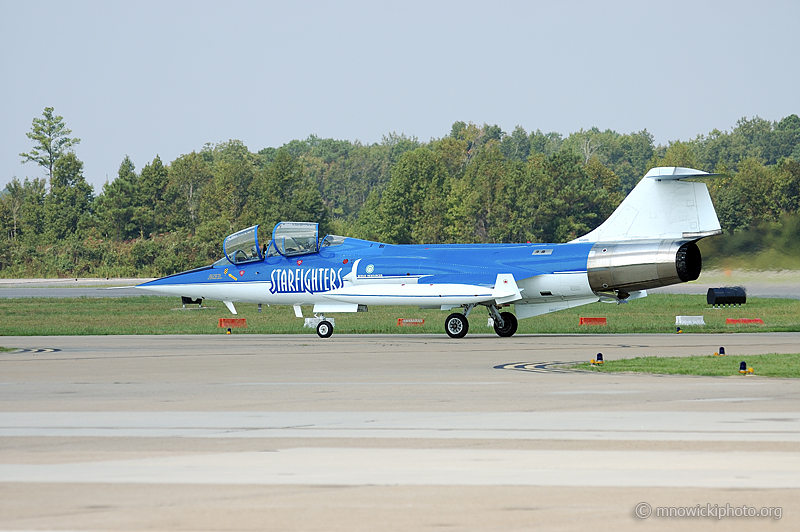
<point x="509" y="325"/>
<point x="456" y="325"/>
<point x="324" y="329"/>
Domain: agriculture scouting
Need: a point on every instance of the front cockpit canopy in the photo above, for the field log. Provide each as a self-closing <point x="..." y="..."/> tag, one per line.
<point x="242" y="246"/>
<point x="296" y="238"/>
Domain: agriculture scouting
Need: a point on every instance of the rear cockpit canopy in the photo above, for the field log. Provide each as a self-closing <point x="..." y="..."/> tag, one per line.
<point x="299" y="238"/>
<point x="296" y="238"/>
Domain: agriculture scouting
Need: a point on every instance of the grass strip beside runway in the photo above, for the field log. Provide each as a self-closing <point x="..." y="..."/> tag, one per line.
<point x="770" y="365"/>
<point x="163" y="315"/>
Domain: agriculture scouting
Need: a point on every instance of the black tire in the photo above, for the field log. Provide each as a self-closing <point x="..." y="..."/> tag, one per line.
<point x="456" y="325"/>
<point x="509" y="327"/>
<point x="324" y="329"/>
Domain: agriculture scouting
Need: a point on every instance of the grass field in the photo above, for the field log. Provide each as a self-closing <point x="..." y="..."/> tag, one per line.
<point x="157" y="315"/>
<point x="771" y="365"/>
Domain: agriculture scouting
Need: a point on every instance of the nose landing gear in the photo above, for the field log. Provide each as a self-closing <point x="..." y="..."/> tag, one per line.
<point x="456" y="325"/>
<point x="324" y="329"/>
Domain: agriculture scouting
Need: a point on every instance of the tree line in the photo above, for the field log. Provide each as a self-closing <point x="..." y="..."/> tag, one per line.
<point x="475" y="184"/>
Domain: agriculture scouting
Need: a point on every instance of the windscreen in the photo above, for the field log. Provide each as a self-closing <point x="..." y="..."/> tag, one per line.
<point x="332" y="240"/>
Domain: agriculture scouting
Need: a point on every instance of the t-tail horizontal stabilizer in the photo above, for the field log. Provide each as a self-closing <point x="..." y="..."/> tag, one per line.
<point x="662" y="206"/>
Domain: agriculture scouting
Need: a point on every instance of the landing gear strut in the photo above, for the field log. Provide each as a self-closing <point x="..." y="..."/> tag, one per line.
<point x="505" y="323"/>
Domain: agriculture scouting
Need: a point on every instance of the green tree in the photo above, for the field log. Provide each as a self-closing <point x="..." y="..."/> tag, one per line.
<point x="626" y="155"/>
<point x="463" y="208"/>
<point x="484" y="174"/>
<point x="224" y="197"/>
<point x="347" y="172"/>
<point x="368" y="223"/>
<point x="513" y="203"/>
<point x="635" y="151"/>
<point x="678" y="154"/>
<point x="475" y="136"/>
<point x="33" y="210"/>
<point x="116" y="206"/>
<point x="517" y="146"/>
<point x="787" y="185"/>
<point x="545" y="143"/>
<point x="70" y="198"/>
<point x="746" y="196"/>
<point x="411" y="206"/>
<point x="397" y="145"/>
<point x="609" y="191"/>
<point x="13" y="201"/>
<point x="188" y="175"/>
<point x="785" y="139"/>
<point x="537" y="190"/>
<point x="750" y="138"/>
<point x="579" y="203"/>
<point x="453" y="153"/>
<point x="587" y="143"/>
<point x="52" y="140"/>
<point x="285" y="192"/>
<point x="150" y="206"/>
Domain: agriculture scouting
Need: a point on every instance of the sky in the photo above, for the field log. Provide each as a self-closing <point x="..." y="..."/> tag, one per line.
<point x="166" y="77"/>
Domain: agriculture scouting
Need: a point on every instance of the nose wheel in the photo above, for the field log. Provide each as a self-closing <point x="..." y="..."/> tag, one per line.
<point x="324" y="329"/>
<point x="456" y="325"/>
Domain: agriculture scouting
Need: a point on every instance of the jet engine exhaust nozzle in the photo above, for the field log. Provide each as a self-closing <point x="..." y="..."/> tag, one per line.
<point x="630" y="266"/>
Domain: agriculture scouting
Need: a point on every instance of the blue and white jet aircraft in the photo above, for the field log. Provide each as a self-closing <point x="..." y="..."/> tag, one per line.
<point x="649" y="241"/>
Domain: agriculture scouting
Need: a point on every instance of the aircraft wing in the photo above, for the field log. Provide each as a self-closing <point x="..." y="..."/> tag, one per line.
<point x="426" y="294"/>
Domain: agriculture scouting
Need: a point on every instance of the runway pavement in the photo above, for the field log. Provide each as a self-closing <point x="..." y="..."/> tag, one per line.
<point x="390" y="432"/>
<point x="72" y="287"/>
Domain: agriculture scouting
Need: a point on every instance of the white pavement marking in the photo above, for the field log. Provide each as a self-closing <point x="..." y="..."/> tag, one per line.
<point x="360" y="466"/>
<point x="601" y="426"/>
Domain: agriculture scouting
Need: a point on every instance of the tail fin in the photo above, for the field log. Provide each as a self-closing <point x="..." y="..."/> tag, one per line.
<point x="662" y="206"/>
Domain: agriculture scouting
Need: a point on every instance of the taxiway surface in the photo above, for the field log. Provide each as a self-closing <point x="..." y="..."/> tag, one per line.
<point x="388" y="432"/>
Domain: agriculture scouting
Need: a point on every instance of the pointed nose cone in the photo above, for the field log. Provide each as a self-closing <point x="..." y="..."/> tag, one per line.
<point x="152" y="286"/>
<point x="180" y="284"/>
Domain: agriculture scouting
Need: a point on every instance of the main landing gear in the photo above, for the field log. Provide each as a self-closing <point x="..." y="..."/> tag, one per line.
<point x="457" y="326"/>
<point x="508" y="327"/>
